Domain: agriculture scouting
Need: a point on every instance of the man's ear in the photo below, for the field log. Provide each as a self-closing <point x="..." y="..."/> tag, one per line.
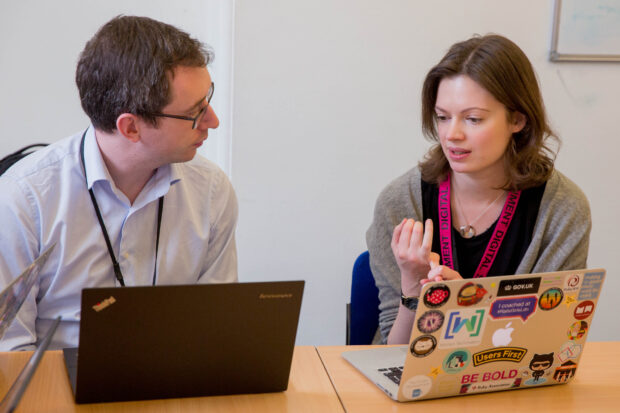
<point x="518" y="121"/>
<point x="128" y="125"/>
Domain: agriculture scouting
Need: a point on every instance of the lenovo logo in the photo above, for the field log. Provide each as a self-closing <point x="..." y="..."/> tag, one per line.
<point x="263" y="296"/>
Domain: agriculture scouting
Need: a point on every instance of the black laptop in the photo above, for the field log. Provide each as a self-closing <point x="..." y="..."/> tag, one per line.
<point x="139" y="343"/>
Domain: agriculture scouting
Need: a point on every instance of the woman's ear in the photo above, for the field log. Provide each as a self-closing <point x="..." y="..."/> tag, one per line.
<point x="127" y="125"/>
<point x="518" y="121"/>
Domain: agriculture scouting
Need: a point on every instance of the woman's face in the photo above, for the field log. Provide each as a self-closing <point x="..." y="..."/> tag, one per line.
<point x="473" y="127"/>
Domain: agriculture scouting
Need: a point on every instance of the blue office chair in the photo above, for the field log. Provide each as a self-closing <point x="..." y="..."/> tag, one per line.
<point x="363" y="310"/>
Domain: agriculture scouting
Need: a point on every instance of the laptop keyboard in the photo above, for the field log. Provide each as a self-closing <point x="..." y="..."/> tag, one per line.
<point x="393" y="373"/>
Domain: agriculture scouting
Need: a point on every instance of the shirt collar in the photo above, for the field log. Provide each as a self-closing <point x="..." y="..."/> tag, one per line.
<point x="93" y="160"/>
<point x="96" y="170"/>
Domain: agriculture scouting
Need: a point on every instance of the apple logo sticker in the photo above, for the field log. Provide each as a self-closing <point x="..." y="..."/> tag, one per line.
<point x="502" y="337"/>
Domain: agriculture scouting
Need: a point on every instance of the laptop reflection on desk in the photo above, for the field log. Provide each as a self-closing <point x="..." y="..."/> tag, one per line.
<point x="11" y="300"/>
<point x="139" y="343"/>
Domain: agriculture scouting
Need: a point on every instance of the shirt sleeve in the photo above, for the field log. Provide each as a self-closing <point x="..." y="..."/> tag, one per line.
<point x="221" y="258"/>
<point x="19" y="246"/>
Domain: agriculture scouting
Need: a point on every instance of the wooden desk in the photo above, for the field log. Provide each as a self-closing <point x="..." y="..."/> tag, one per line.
<point x="309" y="390"/>
<point x="595" y="388"/>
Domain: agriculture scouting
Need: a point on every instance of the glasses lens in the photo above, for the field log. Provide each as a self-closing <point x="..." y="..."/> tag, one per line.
<point x="211" y="91"/>
<point x="199" y="117"/>
<point x="202" y="112"/>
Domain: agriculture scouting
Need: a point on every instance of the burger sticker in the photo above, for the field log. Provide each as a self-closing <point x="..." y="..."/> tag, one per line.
<point x="470" y="294"/>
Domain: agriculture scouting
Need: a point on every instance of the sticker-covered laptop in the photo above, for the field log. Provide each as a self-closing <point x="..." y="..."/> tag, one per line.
<point x="489" y="334"/>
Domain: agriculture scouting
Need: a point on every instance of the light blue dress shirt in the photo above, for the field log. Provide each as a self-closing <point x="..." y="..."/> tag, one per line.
<point x="44" y="199"/>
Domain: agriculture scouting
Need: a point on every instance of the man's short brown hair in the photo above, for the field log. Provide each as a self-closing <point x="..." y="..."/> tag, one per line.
<point x="124" y="68"/>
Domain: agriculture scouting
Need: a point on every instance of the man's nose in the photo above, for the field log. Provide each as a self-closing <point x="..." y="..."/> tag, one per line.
<point x="210" y="119"/>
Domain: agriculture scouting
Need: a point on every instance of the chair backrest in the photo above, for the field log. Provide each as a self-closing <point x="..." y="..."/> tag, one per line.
<point x="363" y="311"/>
<point x="9" y="160"/>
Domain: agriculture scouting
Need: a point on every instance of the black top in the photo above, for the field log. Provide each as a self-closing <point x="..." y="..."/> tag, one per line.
<point x="469" y="251"/>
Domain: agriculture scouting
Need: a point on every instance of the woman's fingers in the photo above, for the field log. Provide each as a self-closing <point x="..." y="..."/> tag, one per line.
<point x="441" y="272"/>
<point x="433" y="259"/>
<point x="416" y="237"/>
<point x="427" y="241"/>
<point x="412" y="242"/>
<point x="431" y="280"/>
<point x="405" y="237"/>
<point x="397" y="231"/>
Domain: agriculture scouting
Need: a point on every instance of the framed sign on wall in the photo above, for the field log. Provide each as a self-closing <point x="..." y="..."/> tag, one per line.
<point x="586" y="31"/>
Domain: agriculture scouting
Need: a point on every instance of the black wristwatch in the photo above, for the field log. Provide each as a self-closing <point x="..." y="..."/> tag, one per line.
<point x="409" y="302"/>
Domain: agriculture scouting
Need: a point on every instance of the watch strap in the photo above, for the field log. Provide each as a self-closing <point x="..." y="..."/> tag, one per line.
<point x="409" y="302"/>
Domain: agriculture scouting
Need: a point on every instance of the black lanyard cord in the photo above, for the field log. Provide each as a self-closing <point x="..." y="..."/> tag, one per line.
<point x="160" y="211"/>
<point x="117" y="268"/>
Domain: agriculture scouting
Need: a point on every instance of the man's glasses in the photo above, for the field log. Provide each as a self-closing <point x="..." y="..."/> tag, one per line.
<point x="198" y="117"/>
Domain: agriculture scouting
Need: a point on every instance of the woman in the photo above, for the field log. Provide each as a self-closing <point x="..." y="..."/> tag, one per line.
<point x="486" y="200"/>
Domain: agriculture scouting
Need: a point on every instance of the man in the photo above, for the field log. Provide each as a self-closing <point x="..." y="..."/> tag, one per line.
<point x="167" y="215"/>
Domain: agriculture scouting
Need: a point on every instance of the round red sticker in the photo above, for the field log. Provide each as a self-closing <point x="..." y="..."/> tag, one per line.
<point x="584" y="310"/>
<point x="437" y="295"/>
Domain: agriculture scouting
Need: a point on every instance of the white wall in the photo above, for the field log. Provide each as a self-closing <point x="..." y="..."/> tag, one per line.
<point x="326" y="113"/>
<point x="40" y="43"/>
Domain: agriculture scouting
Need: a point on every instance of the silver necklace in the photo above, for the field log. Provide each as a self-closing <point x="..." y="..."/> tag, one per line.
<point x="468" y="231"/>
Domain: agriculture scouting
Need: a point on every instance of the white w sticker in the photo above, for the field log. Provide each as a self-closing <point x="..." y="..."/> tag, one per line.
<point x="463" y="328"/>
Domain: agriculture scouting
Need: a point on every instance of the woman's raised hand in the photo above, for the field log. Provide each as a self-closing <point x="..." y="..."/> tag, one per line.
<point x="411" y="246"/>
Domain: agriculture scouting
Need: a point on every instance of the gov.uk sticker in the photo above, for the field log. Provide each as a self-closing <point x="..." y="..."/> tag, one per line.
<point x="520" y="286"/>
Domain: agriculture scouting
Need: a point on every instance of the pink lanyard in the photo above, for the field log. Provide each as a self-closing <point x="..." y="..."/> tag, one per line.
<point x="445" y="229"/>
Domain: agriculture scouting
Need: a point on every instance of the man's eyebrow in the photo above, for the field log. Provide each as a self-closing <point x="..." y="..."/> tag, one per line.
<point x="197" y="104"/>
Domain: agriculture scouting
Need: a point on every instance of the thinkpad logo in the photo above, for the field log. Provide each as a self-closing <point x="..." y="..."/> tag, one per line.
<point x="104" y="304"/>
